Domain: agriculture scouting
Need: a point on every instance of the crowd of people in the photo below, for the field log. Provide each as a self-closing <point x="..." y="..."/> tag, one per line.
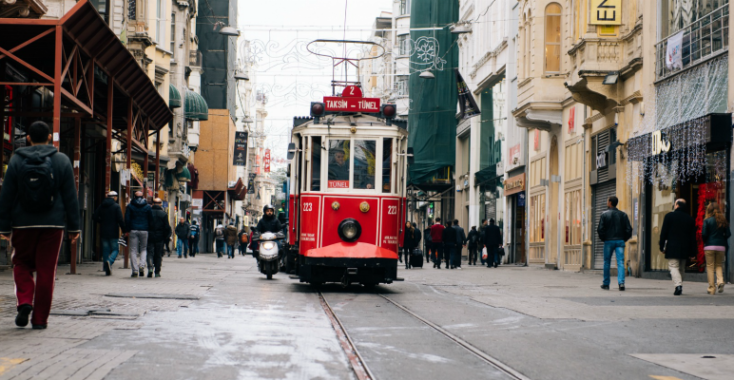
<point x="443" y="243"/>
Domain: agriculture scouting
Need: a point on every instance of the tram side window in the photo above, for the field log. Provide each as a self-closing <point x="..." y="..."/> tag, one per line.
<point x="339" y="152"/>
<point x="316" y="163"/>
<point x="365" y="159"/>
<point x="386" y="165"/>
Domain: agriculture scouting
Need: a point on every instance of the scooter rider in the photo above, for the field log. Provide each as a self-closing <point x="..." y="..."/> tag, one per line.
<point x="269" y="223"/>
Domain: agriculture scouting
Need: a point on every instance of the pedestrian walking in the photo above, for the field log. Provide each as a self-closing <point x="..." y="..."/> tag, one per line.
<point x="244" y="240"/>
<point x="614" y="230"/>
<point x="715" y="235"/>
<point x="437" y="243"/>
<point x="137" y="218"/>
<point x="408" y="243"/>
<point x="492" y="241"/>
<point x="109" y="217"/>
<point x="678" y="242"/>
<point x="159" y="233"/>
<point x="460" y="242"/>
<point x="183" y="229"/>
<point x="38" y="201"/>
<point x="231" y="239"/>
<point x="427" y="240"/>
<point x="219" y="240"/>
<point x="448" y="235"/>
<point x="194" y="238"/>
<point x="482" y="234"/>
<point x="472" y="243"/>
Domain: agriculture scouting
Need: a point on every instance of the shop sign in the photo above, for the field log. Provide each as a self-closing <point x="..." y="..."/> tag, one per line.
<point x="606" y="12"/>
<point x="514" y="185"/>
<point x="659" y="143"/>
<point x="602" y="160"/>
<point x="240" y="149"/>
<point x="267" y="161"/>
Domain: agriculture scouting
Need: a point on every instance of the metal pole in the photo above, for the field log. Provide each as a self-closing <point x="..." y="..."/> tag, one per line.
<point x="77" y="137"/>
<point x="108" y="146"/>
<point x="2" y="128"/>
<point x="157" y="159"/>
<point x="145" y="160"/>
<point x="57" y="86"/>
<point x="129" y="142"/>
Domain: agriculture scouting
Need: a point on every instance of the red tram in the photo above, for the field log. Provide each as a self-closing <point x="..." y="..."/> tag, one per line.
<point x="348" y="165"/>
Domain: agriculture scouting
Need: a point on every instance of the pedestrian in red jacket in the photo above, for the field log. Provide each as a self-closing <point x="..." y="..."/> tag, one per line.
<point x="437" y="243"/>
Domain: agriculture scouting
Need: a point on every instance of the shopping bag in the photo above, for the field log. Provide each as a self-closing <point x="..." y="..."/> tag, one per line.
<point x="484" y="253"/>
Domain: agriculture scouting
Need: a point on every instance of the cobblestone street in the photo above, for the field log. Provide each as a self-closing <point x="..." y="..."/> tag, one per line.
<point x="219" y="318"/>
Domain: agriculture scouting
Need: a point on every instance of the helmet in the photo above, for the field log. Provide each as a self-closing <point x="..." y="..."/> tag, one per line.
<point x="265" y="209"/>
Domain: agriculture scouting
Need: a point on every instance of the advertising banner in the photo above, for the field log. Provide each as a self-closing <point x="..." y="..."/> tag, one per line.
<point x="266" y="162"/>
<point x="240" y="149"/>
<point x="467" y="104"/>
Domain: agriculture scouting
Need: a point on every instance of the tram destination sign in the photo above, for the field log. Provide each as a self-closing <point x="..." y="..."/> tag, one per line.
<point x="341" y="104"/>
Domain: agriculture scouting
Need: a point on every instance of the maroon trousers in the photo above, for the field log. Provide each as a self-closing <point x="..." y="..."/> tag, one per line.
<point x="36" y="250"/>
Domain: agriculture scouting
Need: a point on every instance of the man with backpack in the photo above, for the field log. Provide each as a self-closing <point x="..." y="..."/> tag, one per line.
<point x="427" y="240"/>
<point x="194" y="238"/>
<point x="38" y="201"/>
<point x="219" y="240"/>
<point x="109" y="217"/>
<point x="460" y="242"/>
<point x="159" y="233"/>
<point x="137" y="220"/>
<point x="231" y="239"/>
<point x="183" y="230"/>
<point x="473" y="242"/>
<point x="244" y="240"/>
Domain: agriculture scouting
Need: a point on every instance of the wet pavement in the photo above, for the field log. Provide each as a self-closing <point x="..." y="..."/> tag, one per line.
<point x="210" y="318"/>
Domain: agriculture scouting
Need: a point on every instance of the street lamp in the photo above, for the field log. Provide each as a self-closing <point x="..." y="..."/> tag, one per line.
<point x="241" y="76"/>
<point x="229" y="31"/>
<point x="427" y="75"/>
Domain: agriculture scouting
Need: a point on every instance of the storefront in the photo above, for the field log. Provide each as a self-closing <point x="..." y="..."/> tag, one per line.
<point x="514" y="189"/>
<point x="690" y="161"/>
<point x="603" y="180"/>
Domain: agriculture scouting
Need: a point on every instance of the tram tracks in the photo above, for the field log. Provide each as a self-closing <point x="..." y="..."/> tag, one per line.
<point x="363" y="372"/>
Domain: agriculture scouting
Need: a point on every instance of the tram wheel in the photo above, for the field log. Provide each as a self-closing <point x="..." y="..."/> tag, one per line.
<point x="369" y="285"/>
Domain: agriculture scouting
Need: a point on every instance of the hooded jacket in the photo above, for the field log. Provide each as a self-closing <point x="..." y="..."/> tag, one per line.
<point x="231" y="235"/>
<point x="109" y="217"/>
<point x="137" y="215"/>
<point x="269" y="224"/>
<point x="160" y="229"/>
<point x="65" y="210"/>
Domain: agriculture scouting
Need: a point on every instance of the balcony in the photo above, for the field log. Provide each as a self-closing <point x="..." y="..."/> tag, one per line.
<point x="592" y="59"/>
<point x="702" y="40"/>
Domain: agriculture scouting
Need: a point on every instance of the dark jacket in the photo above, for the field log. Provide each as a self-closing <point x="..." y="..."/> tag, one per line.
<point x="448" y="236"/>
<point x="409" y="238"/>
<point x="137" y="215"/>
<point x="614" y="225"/>
<point x="713" y="235"/>
<point x="417" y="238"/>
<point x="271" y="224"/>
<point x="109" y="217"/>
<point x="460" y="235"/>
<point x="492" y="236"/>
<point x="216" y="232"/>
<point x="160" y="229"/>
<point x="339" y="172"/>
<point x="65" y="211"/>
<point x="678" y="235"/>
<point x="230" y="235"/>
<point x="195" y="231"/>
<point x="473" y="239"/>
<point x="183" y="230"/>
<point x="427" y="235"/>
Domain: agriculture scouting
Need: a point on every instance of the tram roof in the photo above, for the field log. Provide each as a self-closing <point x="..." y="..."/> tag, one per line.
<point x="343" y="123"/>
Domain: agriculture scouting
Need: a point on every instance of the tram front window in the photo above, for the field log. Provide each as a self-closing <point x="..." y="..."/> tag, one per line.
<point x="364" y="164"/>
<point x="339" y="151"/>
<point x="386" y="165"/>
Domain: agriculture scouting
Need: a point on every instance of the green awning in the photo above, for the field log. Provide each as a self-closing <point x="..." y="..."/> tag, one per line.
<point x="195" y="107"/>
<point x="174" y="97"/>
<point x="184" y="175"/>
<point x="485" y="175"/>
<point x="168" y="180"/>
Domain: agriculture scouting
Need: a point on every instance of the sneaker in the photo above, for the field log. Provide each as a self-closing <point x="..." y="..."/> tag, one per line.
<point x="106" y="268"/>
<point x="157" y="275"/>
<point x="621" y="287"/>
<point x="109" y="269"/>
<point x="150" y="274"/>
<point x="179" y="257"/>
<point x="24" y="310"/>
<point x="141" y="272"/>
<point x="605" y="287"/>
<point x="39" y="327"/>
<point x="135" y="274"/>
<point x="721" y="287"/>
<point x="458" y="268"/>
<point x="678" y="290"/>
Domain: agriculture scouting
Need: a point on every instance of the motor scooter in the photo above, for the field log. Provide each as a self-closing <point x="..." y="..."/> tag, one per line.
<point x="269" y="254"/>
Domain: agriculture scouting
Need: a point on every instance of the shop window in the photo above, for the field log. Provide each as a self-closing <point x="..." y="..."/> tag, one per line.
<point x="572" y="218"/>
<point x="537" y="218"/>
<point x="553" y="38"/>
<point x="315" y="163"/>
<point x="387" y="159"/>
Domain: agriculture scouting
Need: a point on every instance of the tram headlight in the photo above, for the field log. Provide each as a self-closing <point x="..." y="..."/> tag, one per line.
<point x="349" y="230"/>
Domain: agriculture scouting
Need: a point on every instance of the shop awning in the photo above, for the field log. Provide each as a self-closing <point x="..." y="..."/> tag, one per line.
<point x="485" y="175"/>
<point x="184" y="175"/>
<point x="194" y="184"/>
<point x="195" y="107"/>
<point x="174" y="97"/>
<point x="239" y="190"/>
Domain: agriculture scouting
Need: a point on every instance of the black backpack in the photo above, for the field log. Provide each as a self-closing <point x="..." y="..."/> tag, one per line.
<point x="37" y="190"/>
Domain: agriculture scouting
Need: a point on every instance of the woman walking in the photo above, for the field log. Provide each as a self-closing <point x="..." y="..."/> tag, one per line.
<point x="408" y="243"/>
<point x="715" y="234"/>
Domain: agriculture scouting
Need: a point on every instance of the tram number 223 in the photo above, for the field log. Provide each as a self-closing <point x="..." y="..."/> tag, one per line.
<point x="307" y="207"/>
<point x="392" y="210"/>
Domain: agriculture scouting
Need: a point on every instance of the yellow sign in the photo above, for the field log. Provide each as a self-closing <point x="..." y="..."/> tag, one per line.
<point x="606" y="12"/>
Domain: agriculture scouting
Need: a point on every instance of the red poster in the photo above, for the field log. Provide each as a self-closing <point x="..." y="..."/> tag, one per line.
<point x="514" y="154"/>
<point x="267" y="161"/>
<point x="536" y="143"/>
<point x="572" y="119"/>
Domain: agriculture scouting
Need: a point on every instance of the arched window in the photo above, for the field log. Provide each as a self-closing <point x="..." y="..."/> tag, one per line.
<point x="553" y="38"/>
